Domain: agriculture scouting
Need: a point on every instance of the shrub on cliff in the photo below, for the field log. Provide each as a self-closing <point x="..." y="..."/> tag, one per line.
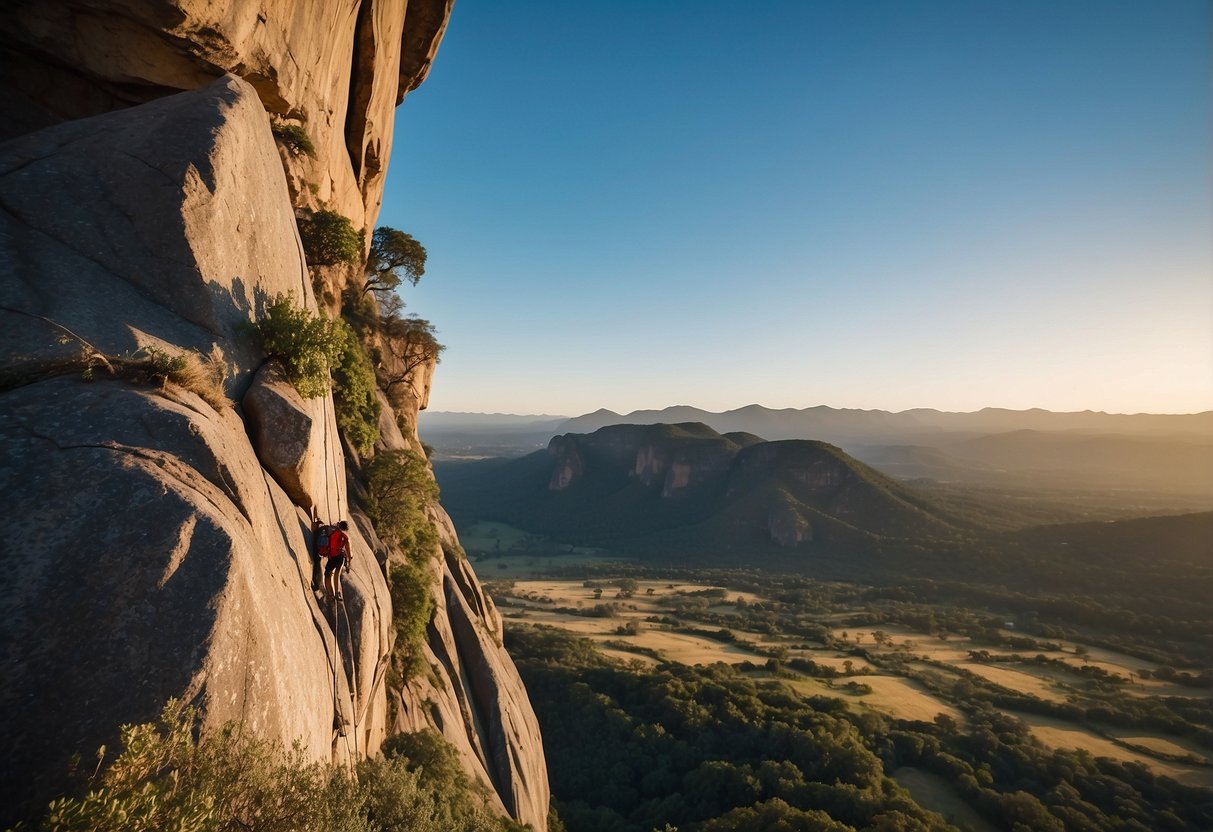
<point x="412" y="608"/>
<point x="308" y="344"/>
<point x="164" y="778"/>
<point x="329" y="238"/>
<point x="354" y="396"/>
<point x="401" y="487"/>
<point x="295" y="139"/>
<point x="427" y="763"/>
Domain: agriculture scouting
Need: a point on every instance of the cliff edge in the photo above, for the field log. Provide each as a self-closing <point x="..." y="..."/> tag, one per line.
<point x="164" y="473"/>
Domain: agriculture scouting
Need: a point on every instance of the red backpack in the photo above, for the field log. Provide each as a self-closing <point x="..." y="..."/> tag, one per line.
<point x="323" y="537"/>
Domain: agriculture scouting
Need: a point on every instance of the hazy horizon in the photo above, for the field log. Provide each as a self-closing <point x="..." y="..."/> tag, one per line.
<point x="881" y="206"/>
<point x="537" y="416"/>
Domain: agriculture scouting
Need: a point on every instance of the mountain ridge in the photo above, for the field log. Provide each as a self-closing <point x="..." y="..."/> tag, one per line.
<point x="832" y="420"/>
<point x="624" y="483"/>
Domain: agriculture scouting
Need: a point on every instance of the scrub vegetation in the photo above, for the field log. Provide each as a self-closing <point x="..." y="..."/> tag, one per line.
<point x="401" y="487"/>
<point x="307" y="343"/>
<point x="329" y="239"/>
<point x="164" y="778"/>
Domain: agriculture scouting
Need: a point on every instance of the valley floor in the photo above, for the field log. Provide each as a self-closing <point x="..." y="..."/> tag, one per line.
<point x="894" y="670"/>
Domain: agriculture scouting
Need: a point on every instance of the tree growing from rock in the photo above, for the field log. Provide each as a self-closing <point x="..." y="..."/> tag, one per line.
<point x="394" y="257"/>
<point x="409" y="343"/>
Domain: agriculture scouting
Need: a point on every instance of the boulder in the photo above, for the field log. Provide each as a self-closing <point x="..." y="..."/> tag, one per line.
<point x="296" y="440"/>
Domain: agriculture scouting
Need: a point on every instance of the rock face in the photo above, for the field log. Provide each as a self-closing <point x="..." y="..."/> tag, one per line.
<point x="162" y="562"/>
<point x="168" y="224"/>
<point x="337" y="68"/>
<point x="677" y="457"/>
<point x="167" y="539"/>
<point x="151" y="513"/>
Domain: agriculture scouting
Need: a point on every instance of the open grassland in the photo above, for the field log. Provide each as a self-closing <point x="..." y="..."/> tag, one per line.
<point x="1018" y="680"/>
<point x="1059" y="734"/>
<point x="895" y="696"/>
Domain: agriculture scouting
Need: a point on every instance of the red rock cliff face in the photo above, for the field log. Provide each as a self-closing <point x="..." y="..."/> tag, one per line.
<point x="146" y="204"/>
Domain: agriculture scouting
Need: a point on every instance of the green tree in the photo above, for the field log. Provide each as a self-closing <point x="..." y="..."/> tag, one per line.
<point x="354" y="398"/>
<point x="401" y="487"/>
<point x="394" y="256"/>
<point x="329" y="238"/>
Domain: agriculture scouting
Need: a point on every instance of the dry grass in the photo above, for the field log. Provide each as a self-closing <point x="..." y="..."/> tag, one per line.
<point x="894" y="695"/>
<point x="935" y="793"/>
<point x="1017" y="680"/>
<point x="1060" y="734"/>
<point x="1172" y="746"/>
<point x="204" y="375"/>
<point x="189" y="370"/>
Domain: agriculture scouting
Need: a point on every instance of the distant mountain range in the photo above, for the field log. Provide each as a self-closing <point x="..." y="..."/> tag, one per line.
<point x="686" y="485"/>
<point x="1033" y="449"/>
<point x="831" y="424"/>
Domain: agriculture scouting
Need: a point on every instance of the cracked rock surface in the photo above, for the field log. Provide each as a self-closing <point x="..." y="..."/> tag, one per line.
<point x="157" y="560"/>
<point x="163" y="543"/>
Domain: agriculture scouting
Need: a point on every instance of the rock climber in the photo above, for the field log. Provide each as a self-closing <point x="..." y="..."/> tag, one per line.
<point x="332" y="544"/>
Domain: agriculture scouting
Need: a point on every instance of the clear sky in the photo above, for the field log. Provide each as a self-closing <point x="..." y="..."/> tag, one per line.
<point x="913" y="203"/>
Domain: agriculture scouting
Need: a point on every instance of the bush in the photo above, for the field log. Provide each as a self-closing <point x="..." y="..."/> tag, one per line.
<point x="309" y="345"/>
<point x="401" y="487"/>
<point x="295" y="138"/>
<point x="354" y="396"/>
<point x="412" y="609"/>
<point x="329" y="238"/>
<point x="165" y="779"/>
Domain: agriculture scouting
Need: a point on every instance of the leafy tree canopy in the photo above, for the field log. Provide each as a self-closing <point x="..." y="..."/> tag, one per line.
<point x="394" y="256"/>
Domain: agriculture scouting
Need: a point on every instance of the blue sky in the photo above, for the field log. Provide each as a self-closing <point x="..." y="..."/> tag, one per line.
<point x="867" y="204"/>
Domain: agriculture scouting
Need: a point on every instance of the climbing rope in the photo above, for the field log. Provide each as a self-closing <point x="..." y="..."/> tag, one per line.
<point x="330" y="655"/>
<point x="331" y="470"/>
<point x="349" y="637"/>
<point x="330" y="478"/>
<point x="345" y="735"/>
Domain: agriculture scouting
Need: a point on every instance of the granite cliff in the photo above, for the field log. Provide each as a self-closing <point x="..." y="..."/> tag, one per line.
<point x="149" y="209"/>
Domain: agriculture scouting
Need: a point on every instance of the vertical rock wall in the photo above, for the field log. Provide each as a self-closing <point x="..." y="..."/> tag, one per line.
<point x="144" y="203"/>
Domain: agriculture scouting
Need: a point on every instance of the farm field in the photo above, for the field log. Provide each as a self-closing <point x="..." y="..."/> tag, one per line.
<point x="895" y="670"/>
<point x="1059" y="734"/>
